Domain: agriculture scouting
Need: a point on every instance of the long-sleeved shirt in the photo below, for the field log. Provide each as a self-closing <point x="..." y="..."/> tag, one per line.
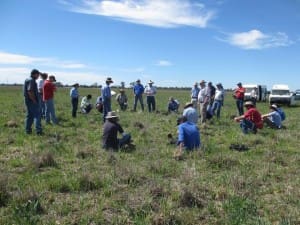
<point x="150" y="91"/>
<point x="106" y="93"/>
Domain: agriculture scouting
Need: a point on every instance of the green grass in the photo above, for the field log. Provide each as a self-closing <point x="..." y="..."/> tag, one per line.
<point x="65" y="177"/>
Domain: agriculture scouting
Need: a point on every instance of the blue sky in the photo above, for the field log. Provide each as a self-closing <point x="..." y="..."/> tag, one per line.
<point x="172" y="42"/>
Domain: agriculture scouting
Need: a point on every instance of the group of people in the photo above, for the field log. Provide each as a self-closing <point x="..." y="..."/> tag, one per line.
<point x="38" y="91"/>
<point x="39" y="94"/>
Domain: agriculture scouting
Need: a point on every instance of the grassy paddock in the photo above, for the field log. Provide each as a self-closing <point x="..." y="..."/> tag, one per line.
<point x="65" y="177"/>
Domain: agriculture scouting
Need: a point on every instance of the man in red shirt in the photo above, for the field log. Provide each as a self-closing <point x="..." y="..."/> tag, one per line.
<point x="251" y="120"/>
<point x="48" y="94"/>
<point x="239" y="93"/>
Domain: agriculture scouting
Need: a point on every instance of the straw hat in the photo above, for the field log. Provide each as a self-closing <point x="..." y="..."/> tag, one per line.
<point x="188" y="104"/>
<point x="111" y="114"/>
<point x="249" y="103"/>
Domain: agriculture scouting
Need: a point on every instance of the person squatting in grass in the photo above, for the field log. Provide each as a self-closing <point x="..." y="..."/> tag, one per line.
<point x="122" y="99"/>
<point x="86" y="105"/>
<point x="111" y="128"/>
<point x="106" y="97"/>
<point x="74" y="94"/>
<point x="188" y="136"/>
<point x="173" y="105"/>
<point x="190" y="113"/>
<point x="48" y="97"/>
<point x="33" y="114"/>
<point x="251" y="120"/>
<point x="150" y="92"/>
<point x="273" y="118"/>
<point x="138" y="91"/>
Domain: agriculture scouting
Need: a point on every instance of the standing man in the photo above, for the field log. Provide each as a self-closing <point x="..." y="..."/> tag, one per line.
<point x="138" y="91"/>
<point x="203" y="99"/>
<point x="194" y="95"/>
<point x="106" y="97"/>
<point x="218" y="100"/>
<point x="33" y="114"/>
<point x="74" y="99"/>
<point x="150" y="92"/>
<point x="239" y="93"/>
<point x="48" y="95"/>
<point x="40" y="84"/>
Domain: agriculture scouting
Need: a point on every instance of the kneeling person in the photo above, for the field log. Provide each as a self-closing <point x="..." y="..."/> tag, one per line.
<point x="273" y="118"/>
<point x="188" y="136"/>
<point x="86" y="105"/>
<point x="111" y="128"/>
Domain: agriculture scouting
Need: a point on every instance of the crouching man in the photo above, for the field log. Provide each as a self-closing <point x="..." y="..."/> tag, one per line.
<point x="251" y="120"/>
<point x="111" y="128"/>
<point x="188" y="136"/>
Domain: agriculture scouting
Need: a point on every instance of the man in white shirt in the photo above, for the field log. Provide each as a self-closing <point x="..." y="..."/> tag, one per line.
<point x="150" y="92"/>
<point x="203" y="99"/>
<point x="40" y="84"/>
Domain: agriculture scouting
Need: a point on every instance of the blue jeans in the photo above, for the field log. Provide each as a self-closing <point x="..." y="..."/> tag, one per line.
<point x="151" y="103"/>
<point x="42" y="105"/>
<point x="50" y="111"/>
<point x="247" y="126"/>
<point x="217" y="105"/>
<point x="106" y="107"/>
<point x="240" y="106"/>
<point x="140" y="99"/>
<point x="33" y="115"/>
<point x="124" y="140"/>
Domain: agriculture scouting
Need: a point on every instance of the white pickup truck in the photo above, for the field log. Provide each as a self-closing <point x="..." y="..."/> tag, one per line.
<point x="281" y="94"/>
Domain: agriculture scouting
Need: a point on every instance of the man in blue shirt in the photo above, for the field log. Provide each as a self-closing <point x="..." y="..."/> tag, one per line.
<point x="194" y="95"/>
<point x="138" y="91"/>
<point x="273" y="118"/>
<point x="106" y="97"/>
<point x="190" y="113"/>
<point x="188" y="136"/>
<point x="30" y="92"/>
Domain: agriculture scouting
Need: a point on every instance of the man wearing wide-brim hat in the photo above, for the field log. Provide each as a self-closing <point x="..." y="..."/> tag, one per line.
<point x="190" y="113"/>
<point x="218" y="100"/>
<point x="273" y="118"/>
<point x="203" y="99"/>
<point x="150" y="92"/>
<point x="106" y="97"/>
<point x="111" y="128"/>
<point x="251" y="120"/>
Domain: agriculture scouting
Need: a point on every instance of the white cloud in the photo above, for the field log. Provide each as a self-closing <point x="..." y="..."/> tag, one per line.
<point x="10" y="58"/>
<point x="157" y="13"/>
<point x="19" y="74"/>
<point x="18" y="59"/>
<point x="164" y="63"/>
<point x="255" y="39"/>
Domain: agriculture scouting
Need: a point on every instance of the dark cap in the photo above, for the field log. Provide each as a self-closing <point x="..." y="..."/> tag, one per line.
<point x="52" y="77"/>
<point x="34" y="71"/>
<point x="239" y="84"/>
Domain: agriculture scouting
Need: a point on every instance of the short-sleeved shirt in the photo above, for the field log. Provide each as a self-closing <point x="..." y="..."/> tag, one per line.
<point x="195" y="92"/>
<point x="240" y="93"/>
<point x="110" y="134"/>
<point x="138" y="89"/>
<point x="204" y="95"/>
<point x="189" y="134"/>
<point x="253" y="115"/>
<point x="150" y="91"/>
<point x="30" y="85"/>
<point x="48" y="90"/>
